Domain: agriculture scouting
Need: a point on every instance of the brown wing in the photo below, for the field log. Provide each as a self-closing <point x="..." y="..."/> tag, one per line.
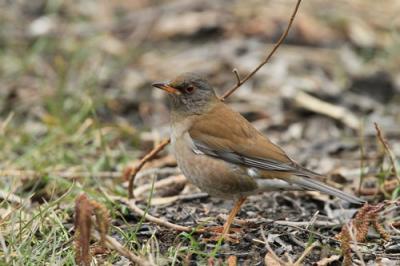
<point x="237" y="141"/>
<point x="240" y="143"/>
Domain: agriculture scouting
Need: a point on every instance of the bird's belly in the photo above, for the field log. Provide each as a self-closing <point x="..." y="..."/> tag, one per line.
<point x="212" y="175"/>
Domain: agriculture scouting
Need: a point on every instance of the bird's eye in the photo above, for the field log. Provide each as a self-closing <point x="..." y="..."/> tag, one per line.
<point x="189" y="89"/>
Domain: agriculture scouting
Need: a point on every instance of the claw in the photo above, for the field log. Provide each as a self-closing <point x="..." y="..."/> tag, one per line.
<point x="217" y="234"/>
<point x="225" y="238"/>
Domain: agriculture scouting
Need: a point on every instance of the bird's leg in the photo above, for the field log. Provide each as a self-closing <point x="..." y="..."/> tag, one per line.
<point x="232" y="215"/>
<point x="222" y="232"/>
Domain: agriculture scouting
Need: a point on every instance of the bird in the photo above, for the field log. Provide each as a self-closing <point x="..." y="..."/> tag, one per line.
<point x="221" y="152"/>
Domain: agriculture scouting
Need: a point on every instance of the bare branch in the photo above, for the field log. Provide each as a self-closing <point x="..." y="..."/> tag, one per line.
<point x="112" y="243"/>
<point x="131" y="173"/>
<point x="278" y="43"/>
<point x="132" y="205"/>
<point x="305" y="253"/>
<point x="175" y="180"/>
<point x="236" y="72"/>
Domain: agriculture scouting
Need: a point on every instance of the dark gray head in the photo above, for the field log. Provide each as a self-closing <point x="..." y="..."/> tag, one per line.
<point x="190" y="93"/>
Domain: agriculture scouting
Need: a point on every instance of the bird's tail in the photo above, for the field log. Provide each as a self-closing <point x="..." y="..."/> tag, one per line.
<point x="310" y="184"/>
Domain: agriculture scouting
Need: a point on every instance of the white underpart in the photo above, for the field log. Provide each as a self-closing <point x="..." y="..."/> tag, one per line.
<point x="197" y="151"/>
<point x="275" y="184"/>
<point x="252" y="172"/>
<point x="178" y="130"/>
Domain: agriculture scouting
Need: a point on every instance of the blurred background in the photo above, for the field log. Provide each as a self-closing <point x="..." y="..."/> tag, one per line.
<point x="63" y="62"/>
<point x="76" y="96"/>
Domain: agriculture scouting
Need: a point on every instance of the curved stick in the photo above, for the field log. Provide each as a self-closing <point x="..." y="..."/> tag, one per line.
<point x="240" y="82"/>
<point x="131" y="173"/>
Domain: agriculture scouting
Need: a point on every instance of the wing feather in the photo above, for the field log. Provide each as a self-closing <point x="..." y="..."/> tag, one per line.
<point x="237" y="142"/>
<point x="240" y="143"/>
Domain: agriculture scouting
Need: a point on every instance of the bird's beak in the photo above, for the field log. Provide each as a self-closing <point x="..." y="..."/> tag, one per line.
<point x="167" y="88"/>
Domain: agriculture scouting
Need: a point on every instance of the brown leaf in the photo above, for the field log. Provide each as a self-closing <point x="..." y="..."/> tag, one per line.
<point x="270" y="260"/>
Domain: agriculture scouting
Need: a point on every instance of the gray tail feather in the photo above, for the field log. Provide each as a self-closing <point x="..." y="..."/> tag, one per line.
<point x="310" y="184"/>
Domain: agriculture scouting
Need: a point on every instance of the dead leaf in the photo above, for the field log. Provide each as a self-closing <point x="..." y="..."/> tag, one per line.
<point x="327" y="260"/>
<point x="269" y="260"/>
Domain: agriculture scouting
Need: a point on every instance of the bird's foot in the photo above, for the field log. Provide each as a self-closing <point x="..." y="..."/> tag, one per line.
<point x="220" y="237"/>
<point x="220" y="230"/>
<point x="217" y="234"/>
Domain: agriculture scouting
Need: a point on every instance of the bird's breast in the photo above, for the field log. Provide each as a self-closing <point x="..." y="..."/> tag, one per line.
<point x="214" y="176"/>
<point x="179" y="127"/>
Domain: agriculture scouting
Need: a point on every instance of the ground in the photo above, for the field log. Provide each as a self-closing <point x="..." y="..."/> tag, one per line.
<point x="77" y="109"/>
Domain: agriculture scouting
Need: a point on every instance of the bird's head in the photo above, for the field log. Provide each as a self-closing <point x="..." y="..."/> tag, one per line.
<point x="190" y="93"/>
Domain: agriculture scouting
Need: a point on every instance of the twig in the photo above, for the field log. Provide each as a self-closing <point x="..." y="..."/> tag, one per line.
<point x="307" y="224"/>
<point x="313" y="220"/>
<point x="132" y="205"/>
<point x="172" y="180"/>
<point x="237" y="76"/>
<point x="314" y="233"/>
<point x="385" y="144"/>
<point x="305" y="253"/>
<point x="167" y="171"/>
<point x="316" y="105"/>
<point x="278" y="43"/>
<point x="113" y="244"/>
<point x="131" y="173"/>
<point x="270" y="250"/>
<point x="169" y="200"/>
